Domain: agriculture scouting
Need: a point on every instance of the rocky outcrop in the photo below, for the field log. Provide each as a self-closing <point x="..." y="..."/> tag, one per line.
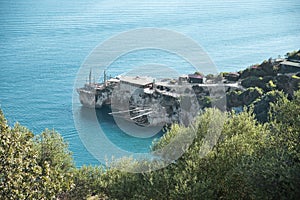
<point x="267" y="68"/>
<point x="287" y="84"/>
<point x="295" y="55"/>
<point x="238" y="98"/>
<point x="261" y="82"/>
<point x="262" y="105"/>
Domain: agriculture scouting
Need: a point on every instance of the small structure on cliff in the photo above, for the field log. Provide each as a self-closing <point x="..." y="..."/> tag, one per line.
<point x="289" y="66"/>
<point x="232" y="76"/>
<point x="195" y="78"/>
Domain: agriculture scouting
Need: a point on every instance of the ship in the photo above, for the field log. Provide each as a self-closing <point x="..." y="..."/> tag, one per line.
<point x="147" y="101"/>
<point x="96" y="95"/>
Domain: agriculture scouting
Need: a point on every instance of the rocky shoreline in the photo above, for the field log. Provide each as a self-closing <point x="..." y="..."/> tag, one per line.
<point x="151" y="102"/>
<point x="262" y="84"/>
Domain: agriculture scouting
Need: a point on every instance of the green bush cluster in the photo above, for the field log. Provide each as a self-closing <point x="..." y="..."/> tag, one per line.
<point x="249" y="160"/>
<point x="215" y="77"/>
<point x="294" y="55"/>
<point x="245" y="98"/>
<point x="266" y="83"/>
<point x="266" y="68"/>
<point x="33" y="167"/>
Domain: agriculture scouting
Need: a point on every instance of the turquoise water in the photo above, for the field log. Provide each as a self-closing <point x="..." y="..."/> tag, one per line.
<point x="43" y="43"/>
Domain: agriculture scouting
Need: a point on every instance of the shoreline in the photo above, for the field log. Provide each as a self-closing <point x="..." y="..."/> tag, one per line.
<point x="154" y="102"/>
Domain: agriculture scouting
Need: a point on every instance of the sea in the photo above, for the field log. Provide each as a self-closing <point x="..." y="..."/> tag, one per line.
<point x="43" y="44"/>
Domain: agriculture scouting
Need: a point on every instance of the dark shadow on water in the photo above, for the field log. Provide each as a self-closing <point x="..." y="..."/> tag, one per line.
<point x="114" y="133"/>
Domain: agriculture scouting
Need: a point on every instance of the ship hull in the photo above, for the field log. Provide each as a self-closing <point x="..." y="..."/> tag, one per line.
<point x="88" y="99"/>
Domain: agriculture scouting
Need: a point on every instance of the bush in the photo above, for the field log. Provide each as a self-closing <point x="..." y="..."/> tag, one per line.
<point x="261" y="82"/>
<point x="88" y="181"/>
<point x="28" y="169"/>
<point x="242" y="165"/>
<point x="247" y="160"/>
<point x="20" y="174"/>
<point x="54" y="155"/>
<point x="209" y="76"/>
<point x="262" y="105"/>
<point x="245" y="98"/>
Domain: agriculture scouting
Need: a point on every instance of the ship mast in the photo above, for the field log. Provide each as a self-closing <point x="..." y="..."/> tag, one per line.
<point x="104" y="73"/>
<point x="90" y="77"/>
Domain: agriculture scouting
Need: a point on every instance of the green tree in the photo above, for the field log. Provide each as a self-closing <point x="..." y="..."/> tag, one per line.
<point x="32" y="167"/>
<point x="88" y="181"/>
<point x="56" y="161"/>
<point x="249" y="161"/>
<point x="20" y="174"/>
<point x="199" y="73"/>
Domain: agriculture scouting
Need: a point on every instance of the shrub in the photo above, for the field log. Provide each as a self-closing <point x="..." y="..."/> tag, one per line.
<point x="88" y="181"/>
<point x="53" y="153"/>
<point x="29" y="170"/>
<point x="20" y="174"/>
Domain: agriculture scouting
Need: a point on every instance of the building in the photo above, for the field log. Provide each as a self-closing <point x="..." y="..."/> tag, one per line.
<point x="288" y="66"/>
<point x="167" y="88"/>
<point x="129" y="83"/>
<point x="195" y="78"/>
<point x="183" y="79"/>
<point x="232" y="77"/>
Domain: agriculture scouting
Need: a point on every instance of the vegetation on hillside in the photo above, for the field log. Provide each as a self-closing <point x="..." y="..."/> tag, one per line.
<point x="263" y="84"/>
<point x="251" y="160"/>
<point x="255" y="156"/>
<point x="33" y="167"/>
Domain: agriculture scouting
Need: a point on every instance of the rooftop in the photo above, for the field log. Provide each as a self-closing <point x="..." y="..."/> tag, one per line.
<point x="233" y="73"/>
<point x="289" y="63"/>
<point x="195" y="76"/>
<point x="113" y="80"/>
<point x="166" y="84"/>
<point x="137" y="80"/>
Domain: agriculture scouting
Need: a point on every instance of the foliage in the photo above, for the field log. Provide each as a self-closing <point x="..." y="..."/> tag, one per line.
<point x="244" y="160"/>
<point x="261" y="82"/>
<point x="20" y="174"/>
<point x="205" y="101"/>
<point x="294" y="55"/>
<point x="209" y="76"/>
<point x="266" y="68"/>
<point x="25" y="172"/>
<point x="199" y="73"/>
<point x="285" y="121"/>
<point x="88" y="181"/>
<point x="244" y="164"/>
<point x="295" y="77"/>
<point x="54" y="155"/>
<point x="215" y="78"/>
<point x="245" y="98"/>
<point x="270" y="85"/>
<point x="262" y="105"/>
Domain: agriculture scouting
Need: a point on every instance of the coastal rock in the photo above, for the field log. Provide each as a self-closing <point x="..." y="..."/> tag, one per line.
<point x="233" y="99"/>
<point x="288" y="84"/>
<point x="267" y="68"/>
<point x="250" y="95"/>
<point x="262" y="105"/>
<point x="238" y="98"/>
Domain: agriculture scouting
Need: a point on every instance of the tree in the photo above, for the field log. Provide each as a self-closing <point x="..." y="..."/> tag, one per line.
<point x="199" y="73"/>
<point x="20" y="174"/>
<point x="88" y="181"/>
<point x="249" y="161"/>
<point x="56" y="161"/>
<point x="32" y="168"/>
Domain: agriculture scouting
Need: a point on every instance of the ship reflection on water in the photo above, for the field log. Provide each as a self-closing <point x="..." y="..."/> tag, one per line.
<point x="94" y="119"/>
